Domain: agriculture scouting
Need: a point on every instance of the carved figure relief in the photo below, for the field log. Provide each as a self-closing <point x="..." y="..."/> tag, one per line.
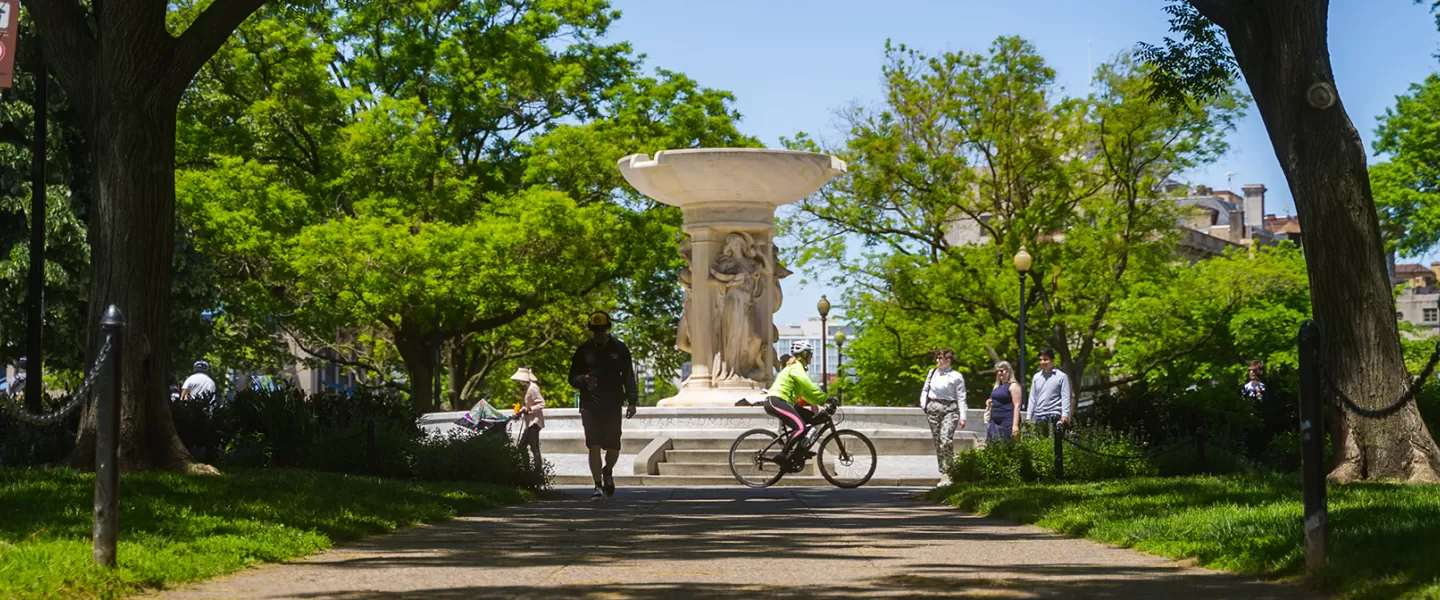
<point x="742" y="275"/>
<point x="682" y="336"/>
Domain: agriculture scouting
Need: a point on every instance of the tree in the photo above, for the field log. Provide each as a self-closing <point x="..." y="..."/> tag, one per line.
<point x="1280" y="47"/>
<point x="123" y="70"/>
<point x="974" y="156"/>
<point x="394" y="205"/>
<point x="1407" y="188"/>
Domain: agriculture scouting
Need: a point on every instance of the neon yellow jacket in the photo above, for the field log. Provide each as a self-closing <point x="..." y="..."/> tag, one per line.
<point x="794" y="381"/>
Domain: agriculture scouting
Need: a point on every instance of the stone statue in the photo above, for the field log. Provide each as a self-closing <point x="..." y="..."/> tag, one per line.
<point x="741" y="275"/>
<point x="682" y="336"/>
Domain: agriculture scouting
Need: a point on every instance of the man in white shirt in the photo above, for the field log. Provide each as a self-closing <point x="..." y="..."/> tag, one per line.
<point x="16" y="384"/>
<point x="199" y="385"/>
<point x="943" y="401"/>
<point x="1049" y="393"/>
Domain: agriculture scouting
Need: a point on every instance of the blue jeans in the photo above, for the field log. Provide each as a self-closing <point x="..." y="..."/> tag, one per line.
<point x="1046" y="424"/>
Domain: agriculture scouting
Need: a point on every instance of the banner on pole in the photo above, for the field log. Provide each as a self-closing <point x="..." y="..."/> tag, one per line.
<point x="9" y="28"/>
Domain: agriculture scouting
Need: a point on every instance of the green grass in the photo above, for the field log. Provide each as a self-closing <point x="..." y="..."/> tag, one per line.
<point x="1384" y="538"/>
<point x="177" y="528"/>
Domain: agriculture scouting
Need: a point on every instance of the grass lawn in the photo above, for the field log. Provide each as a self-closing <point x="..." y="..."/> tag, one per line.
<point x="176" y="528"/>
<point x="1384" y="538"/>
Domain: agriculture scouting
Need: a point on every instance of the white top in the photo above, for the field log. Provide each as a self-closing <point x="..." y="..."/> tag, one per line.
<point x="947" y="385"/>
<point x="1049" y="395"/>
<point x="534" y="405"/>
<point x="198" y="385"/>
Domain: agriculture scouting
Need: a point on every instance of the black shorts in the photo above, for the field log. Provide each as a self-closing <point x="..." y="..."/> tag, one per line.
<point x="602" y="426"/>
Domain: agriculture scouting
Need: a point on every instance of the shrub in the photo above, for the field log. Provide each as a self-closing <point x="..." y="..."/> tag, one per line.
<point x="1032" y="458"/>
<point x="487" y="457"/>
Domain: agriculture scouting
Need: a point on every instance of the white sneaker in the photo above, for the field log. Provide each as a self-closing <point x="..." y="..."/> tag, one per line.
<point x="598" y="495"/>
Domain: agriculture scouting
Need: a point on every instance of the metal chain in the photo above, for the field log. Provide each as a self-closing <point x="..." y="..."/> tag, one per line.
<point x="1380" y="413"/>
<point x="76" y="399"/>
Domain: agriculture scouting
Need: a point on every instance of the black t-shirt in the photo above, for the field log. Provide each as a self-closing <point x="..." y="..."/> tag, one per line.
<point x="611" y="365"/>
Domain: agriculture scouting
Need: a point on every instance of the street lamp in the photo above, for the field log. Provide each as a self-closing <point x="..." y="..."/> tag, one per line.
<point x="1022" y="266"/>
<point x="839" y="362"/>
<point x="824" y="307"/>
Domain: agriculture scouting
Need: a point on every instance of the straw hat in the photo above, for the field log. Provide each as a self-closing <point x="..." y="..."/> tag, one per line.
<point x="524" y="374"/>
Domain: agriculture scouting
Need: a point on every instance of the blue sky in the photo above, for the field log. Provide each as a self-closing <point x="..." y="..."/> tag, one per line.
<point x="790" y="63"/>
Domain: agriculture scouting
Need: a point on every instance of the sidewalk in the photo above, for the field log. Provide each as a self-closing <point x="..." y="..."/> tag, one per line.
<point x="730" y="542"/>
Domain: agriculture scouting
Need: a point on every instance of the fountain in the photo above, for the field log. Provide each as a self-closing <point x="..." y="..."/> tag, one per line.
<point x="728" y="197"/>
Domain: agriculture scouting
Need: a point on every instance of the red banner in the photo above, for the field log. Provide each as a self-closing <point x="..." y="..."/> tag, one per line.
<point x="9" y="26"/>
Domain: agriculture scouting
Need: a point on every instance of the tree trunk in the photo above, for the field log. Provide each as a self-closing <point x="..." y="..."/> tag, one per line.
<point x="131" y="237"/>
<point x="418" y="352"/>
<point x="124" y="73"/>
<point x="1280" y="47"/>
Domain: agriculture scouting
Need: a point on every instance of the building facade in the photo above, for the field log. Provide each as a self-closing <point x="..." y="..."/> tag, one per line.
<point x="1419" y="301"/>
<point x="810" y="331"/>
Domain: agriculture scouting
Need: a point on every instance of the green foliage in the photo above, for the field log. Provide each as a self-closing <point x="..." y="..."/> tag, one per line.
<point x="972" y="157"/>
<point x="1206" y="320"/>
<point x="180" y="528"/>
<point x="1032" y="458"/>
<point x="1197" y="66"/>
<point x="395" y="181"/>
<point x="488" y="458"/>
<point x="1407" y="187"/>
<point x="1380" y="534"/>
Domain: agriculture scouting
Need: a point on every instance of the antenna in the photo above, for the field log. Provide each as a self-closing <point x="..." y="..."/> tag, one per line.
<point x="1229" y="180"/>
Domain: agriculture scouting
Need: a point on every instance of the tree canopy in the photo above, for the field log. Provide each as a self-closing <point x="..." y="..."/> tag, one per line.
<point x="411" y="187"/>
<point x="974" y="156"/>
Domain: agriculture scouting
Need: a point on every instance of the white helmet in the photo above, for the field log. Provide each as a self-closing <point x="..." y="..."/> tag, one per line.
<point x="798" y="346"/>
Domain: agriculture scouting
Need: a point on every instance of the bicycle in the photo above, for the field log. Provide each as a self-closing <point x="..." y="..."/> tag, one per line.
<point x="846" y="457"/>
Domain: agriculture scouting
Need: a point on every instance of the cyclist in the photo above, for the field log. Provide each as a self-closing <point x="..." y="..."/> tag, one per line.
<point x="793" y="385"/>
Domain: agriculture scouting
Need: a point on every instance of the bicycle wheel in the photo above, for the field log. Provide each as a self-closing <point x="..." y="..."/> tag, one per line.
<point x="753" y="456"/>
<point x="847" y="459"/>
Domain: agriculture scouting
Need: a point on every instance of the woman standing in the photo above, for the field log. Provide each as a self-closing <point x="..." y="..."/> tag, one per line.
<point x="943" y="402"/>
<point x="1004" y="404"/>
<point x="532" y="408"/>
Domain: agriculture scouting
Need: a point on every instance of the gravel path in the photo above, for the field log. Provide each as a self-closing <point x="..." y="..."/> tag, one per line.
<point x="728" y="542"/>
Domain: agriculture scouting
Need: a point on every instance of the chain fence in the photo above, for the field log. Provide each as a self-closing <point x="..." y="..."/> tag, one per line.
<point x="76" y="399"/>
<point x="1186" y="443"/>
<point x="1392" y="408"/>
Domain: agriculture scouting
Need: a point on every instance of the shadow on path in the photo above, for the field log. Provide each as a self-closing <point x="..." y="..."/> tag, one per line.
<point x="727" y="542"/>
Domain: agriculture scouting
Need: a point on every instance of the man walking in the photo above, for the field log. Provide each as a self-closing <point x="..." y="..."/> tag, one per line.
<point x="602" y="371"/>
<point x="1049" y="394"/>
<point x="943" y="402"/>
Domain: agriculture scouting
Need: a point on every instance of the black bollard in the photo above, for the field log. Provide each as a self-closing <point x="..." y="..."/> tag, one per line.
<point x="107" y="439"/>
<point x="1059" y="450"/>
<point x="372" y="452"/>
<point x="1200" y="447"/>
<point x="1312" y="448"/>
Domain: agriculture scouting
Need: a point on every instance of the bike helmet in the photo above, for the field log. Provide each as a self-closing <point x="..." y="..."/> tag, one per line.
<point x="798" y="346"/>
<point x="20" y="364"/>
<point x="202" y="366"/>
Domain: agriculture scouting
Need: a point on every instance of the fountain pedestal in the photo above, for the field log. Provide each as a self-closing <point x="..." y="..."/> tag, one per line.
<point x="728" y="197"/>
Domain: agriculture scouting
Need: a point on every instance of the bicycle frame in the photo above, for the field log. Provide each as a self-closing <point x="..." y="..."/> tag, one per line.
<point x="826" y="426"/>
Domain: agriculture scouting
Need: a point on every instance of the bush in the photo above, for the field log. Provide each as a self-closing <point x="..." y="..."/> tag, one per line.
<point x="1032" y="458"/>
<point x="327" y="431"/>
<point x="26" y="444"/>
<point x="489" y="457"/>
<point x="1239" y="430"/>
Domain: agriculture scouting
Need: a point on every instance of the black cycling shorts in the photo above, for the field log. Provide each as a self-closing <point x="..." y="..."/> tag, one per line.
<point x="602" y="426"/>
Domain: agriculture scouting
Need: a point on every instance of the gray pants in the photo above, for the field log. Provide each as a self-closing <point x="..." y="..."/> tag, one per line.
<point x="943" y="417"/>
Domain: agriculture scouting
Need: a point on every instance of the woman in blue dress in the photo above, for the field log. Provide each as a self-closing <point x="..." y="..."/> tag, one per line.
<point x="1004" y="404"/>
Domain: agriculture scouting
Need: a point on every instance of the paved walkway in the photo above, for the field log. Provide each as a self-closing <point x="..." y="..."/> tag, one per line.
<point x="728" y="542"/>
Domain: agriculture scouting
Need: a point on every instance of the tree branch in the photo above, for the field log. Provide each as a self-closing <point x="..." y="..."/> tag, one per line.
<point x="68" y="46"/>
<point x="202" y="40"/>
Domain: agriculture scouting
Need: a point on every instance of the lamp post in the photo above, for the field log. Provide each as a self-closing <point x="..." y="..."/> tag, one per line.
<point x="824" y="307"/>
<point x="839" y="362"/>
<point x="1022" y="266"/>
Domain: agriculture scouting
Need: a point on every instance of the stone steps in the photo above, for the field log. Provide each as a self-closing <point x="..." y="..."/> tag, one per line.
<point x="624" y="481"/>
<point x="712" y="469"/>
